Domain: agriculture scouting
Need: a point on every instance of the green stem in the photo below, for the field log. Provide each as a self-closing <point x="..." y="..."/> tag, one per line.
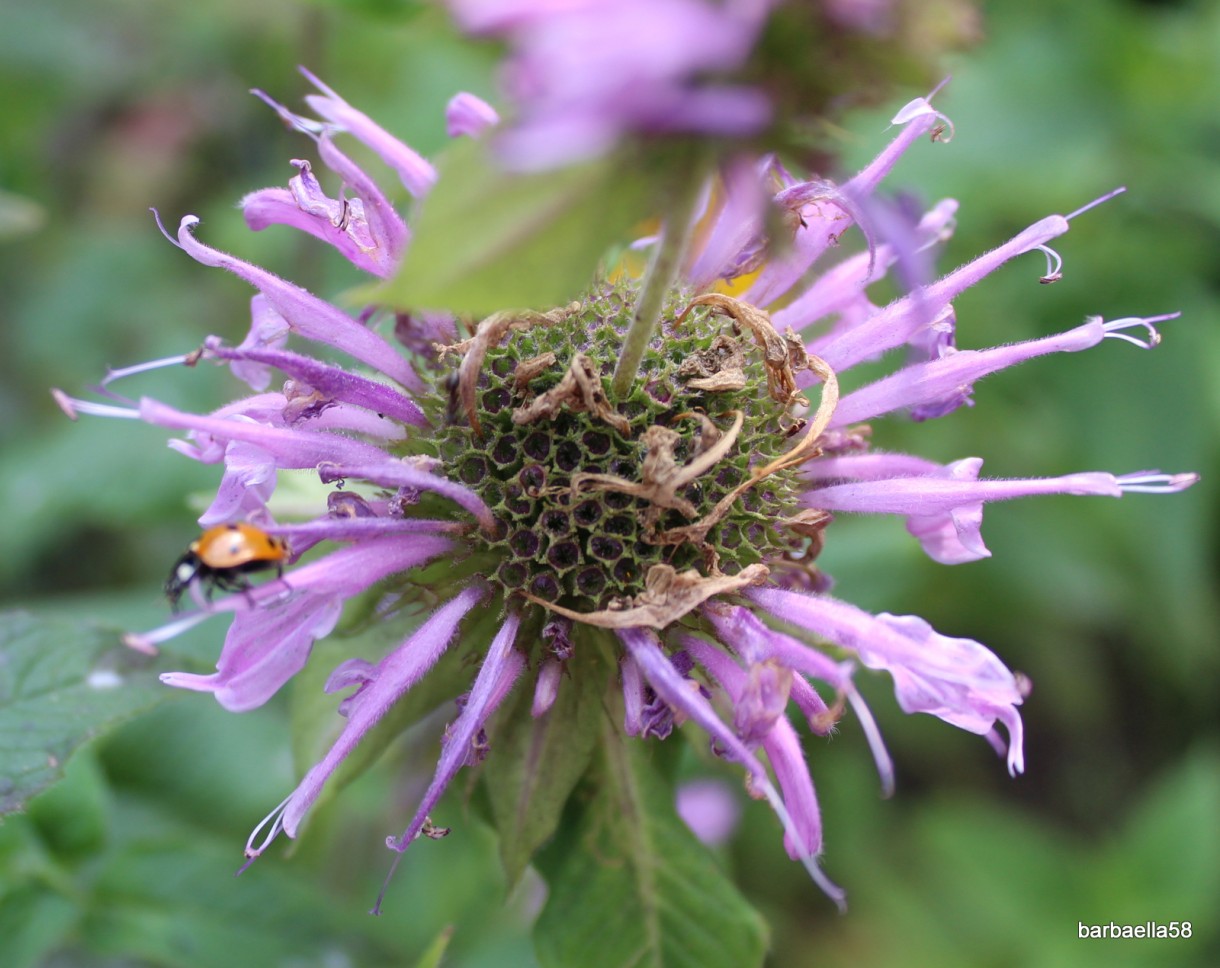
<point x="662" y="271"/>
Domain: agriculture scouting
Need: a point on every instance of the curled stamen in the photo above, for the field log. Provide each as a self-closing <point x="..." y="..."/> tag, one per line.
<point x="1113" y="329"/>
<point x="1054" y="265"/>
<point x="160" y="225"/>
<point x="1154" y="482"/>
<point x="276" y="819"/>
<point x="74" y="407"/>
<point x="922" y="106"/>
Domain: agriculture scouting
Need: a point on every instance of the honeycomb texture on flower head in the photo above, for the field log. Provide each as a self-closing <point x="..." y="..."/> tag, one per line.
<point x="589" y="547"/>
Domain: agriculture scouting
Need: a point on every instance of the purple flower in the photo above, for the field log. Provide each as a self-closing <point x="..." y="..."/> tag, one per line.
<point x="495" y="475"/>
<point x="582" y="75"/>
<point x="709" y="809"/>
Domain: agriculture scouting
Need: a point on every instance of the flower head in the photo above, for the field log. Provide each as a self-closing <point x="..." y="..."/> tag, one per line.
<point x="489" y="470"/>
<point x="584" y="74"/>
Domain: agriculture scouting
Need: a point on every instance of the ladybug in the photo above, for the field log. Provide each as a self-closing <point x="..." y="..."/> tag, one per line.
<point x="222" y="557"/>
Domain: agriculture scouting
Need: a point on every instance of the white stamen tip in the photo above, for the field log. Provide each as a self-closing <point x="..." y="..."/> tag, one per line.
<point x="139" y="643"/>
<point x="65" y="402"/>
<point x="74" y="407"/>
<point x="1154" y="482"/>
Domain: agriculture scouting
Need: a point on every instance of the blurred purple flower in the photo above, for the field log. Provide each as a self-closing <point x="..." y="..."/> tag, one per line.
<point x="580" y="75"/>
<point x="710" y="809"/>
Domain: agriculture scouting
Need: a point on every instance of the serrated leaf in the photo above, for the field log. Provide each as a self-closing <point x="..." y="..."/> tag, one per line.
<point x="61" y="685"/>
<point x="487" y="239"/>
<point x="631" y="886"/>
<point x="536" y="763"/>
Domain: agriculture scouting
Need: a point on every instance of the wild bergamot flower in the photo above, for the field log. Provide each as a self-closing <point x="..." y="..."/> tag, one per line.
<point x="486" y="475"/>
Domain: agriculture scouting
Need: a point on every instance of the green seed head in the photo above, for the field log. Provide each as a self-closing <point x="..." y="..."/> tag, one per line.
<point x="589" y="492"/>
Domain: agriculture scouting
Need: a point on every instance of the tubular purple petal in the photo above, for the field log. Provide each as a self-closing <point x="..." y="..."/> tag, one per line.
<point x="360" y="529"/>
<point x="308" y="315"/>
<point x="247" y="484"/>
<point x="783" y="749"/>
<point x="331" y="381"/>
<point x="290" y="448"/>
<point x="821" y="231"/>
<point x="877" y="465"/>
<point x="385" y="225"/>
<point x="633" y="695"/>
<point x="671" y="687"/>
<point x="951" y="537"/>
<point x="346" y="230"/>
<point x="390" y="473"/>
<point x="264" y="648"/>
<point x="500" y="669"/>
<point x="416" y="174"/>
<point x="546" y="689"/>
<point x="737" y="223"/>
<point x="930" y="495"/>
<point x="846" y="282"/>
<point x="394" y="675"/>
<point x="957" y="680"/>
<point x="268" y="331"/>
<point x="951" y="376"/>
<point x="901" y="319"/>
<point x="467" y="115"/>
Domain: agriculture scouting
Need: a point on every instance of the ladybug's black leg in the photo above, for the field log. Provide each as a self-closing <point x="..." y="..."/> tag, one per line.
<point x="227" y="581"/>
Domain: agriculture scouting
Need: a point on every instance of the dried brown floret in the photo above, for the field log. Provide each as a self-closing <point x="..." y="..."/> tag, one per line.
<point x="579" y="390"/>
<point x="668" y="595"/>
<point x="489" y="333"/>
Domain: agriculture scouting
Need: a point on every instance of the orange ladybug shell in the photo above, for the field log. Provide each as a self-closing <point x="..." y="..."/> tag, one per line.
<point x="234" y="545"/>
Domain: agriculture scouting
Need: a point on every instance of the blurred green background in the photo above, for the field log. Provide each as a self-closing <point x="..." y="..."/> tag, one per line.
<point x="1109" y="606"/>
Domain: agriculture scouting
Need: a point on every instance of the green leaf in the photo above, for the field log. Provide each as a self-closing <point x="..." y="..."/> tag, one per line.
<point x="632" y="886"/>
<point x="488" y="240"/>
<point x="72" y="817"/>
<point x="536" y="763"/>
<point x="158" y="902"/>
<point x="33" y="922"/>
<point x="61" y="684"/>
<point x="431" y="958"/>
